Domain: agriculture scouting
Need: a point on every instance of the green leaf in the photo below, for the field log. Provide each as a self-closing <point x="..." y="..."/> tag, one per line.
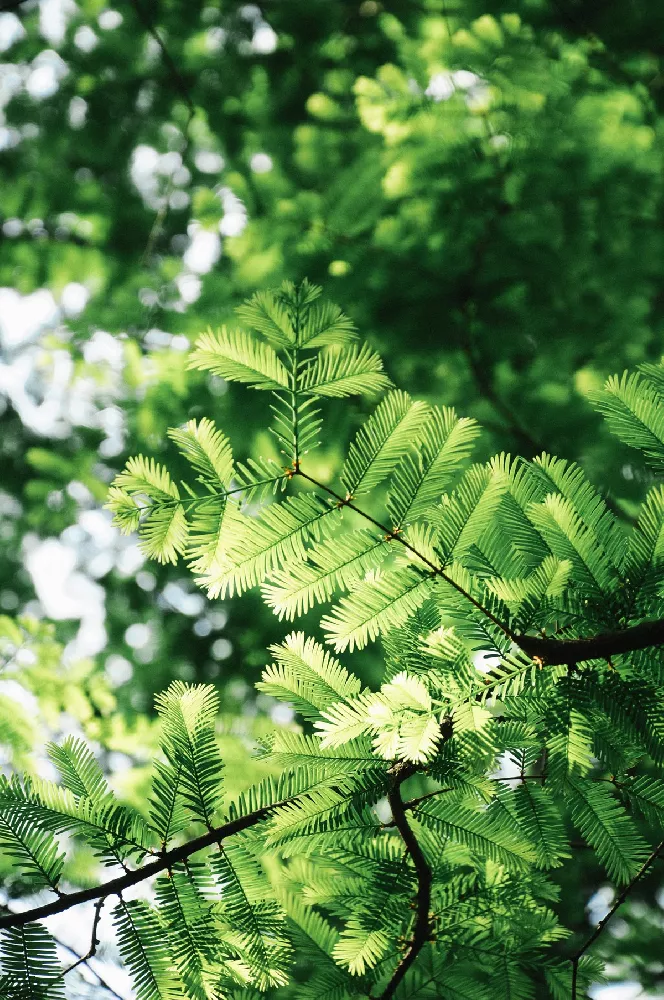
<point x="259" y="545"/>
<point x="603" y="822"/>
<point x="188" y="918"/>
<point x="144" y="948"/>
<point x="382" y="441"/>
<point x="541" y="821"/>
<point x="236" y="356"/>
<point x="79" y="770"/>
<point x="324" y="325"/>
<point x="633" y="411"/>
<point x="266" y="314"/>
<point x="33" y="850"/>
<point x="333" y="564"/>
<point x="349" y="372"/>
<point x="208" y="450"/>
<point x="188" y="715"/>
<point x="307" y="675"/>
<point x="442" y="446"/>
<point x="257" y="928"/>
<point x="374" y="607"/>
<point x="485" y="837"/>
<point x="29" y="961"/>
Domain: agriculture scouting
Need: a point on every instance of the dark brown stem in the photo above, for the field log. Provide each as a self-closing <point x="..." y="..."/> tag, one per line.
<point x="422" y="927"/>
<point x="94" y="941"/>
<point x="618" y="903"/>
<point x="117" y="885"/>
<point x="391" y="535"/>
<point x="553" y="652"/>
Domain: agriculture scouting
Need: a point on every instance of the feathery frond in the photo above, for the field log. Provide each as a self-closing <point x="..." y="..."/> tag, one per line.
<point x="443" y="444"/>
<point x="238" y="357"/>
<point x="354" y="371"/>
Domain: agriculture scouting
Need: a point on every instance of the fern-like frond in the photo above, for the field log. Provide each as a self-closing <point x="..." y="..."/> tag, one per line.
<point x="647" y="794"/>
<point x="324" y="325"/>
<point x="443" y="444"/>
<point x="259" y="545"/>
<point x="605" y="825"/>
<point x="485" y="837"/>
<point x="257" y="927"/>
<point x="360" y="948"/>
<point x="208" y="450"/>
<point x="188" y="715"/>
<point x="267" y="314"/>
<point x="525" y="596"/>
<point x="292" y="750"/>
<point x="382" y="441"/>
<point x="462" y="518"/>
<point x="144" y="948"/>
<point x="163" y="533"/>
<point x="375" y="606"/>
<point x="79" y="770"/>
<point x="633" y="411"/>
<point x="349" y="372"/>
<point x="568" y="538"/>
<point x="333" y="564"/>
<point x="145" y="476"/>
<point x="314" y="812"/>
<point x="540" y="820"/>
<point x="30" y="965"/>
<point x="236" y="356"/>
<point x="163" y="525"/>
<point x="188" y="919"/>
<point x="113" y="831"/>
<point x="645" y="552"/>
<point x="307" y="675"/>
<point x="296" y="423"/>
<point x="572" y="483"/>
<point x="34" y="851"/>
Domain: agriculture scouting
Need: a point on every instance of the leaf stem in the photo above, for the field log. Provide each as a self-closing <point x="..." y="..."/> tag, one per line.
<point x="618" y="903"/>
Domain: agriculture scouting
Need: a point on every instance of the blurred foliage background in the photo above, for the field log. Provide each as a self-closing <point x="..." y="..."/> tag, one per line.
<point x="478" y="183"/>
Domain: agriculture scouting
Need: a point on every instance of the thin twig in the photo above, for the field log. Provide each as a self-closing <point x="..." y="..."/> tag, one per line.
<point x="182" y="89"/>
<point x="94" y="940"/>
<point x="391" y="535"/>
<point x="101" y="982"/>
<point x="602" y="924"/>
<point x="169" y="62"/>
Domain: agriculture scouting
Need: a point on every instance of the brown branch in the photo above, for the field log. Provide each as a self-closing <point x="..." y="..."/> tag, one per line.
<point x="422" y="927"/>
<point x="117" y="885"/>
<point x="390" y="534"/>
<point x="618" y="903"/>
<point x="554" y="652"/>
<point x="550" y="651"/>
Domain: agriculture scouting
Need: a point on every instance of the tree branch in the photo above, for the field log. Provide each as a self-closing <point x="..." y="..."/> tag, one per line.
<point x="618" y="903"/>
<point x="117" y="885"/>
<point x="391" y="535"/>
<point x="553" y="652"/>
<point x="422" y="927"/>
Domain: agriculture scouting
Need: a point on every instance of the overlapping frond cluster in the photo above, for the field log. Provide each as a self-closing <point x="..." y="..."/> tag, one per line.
<point x="407" y="848"/>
